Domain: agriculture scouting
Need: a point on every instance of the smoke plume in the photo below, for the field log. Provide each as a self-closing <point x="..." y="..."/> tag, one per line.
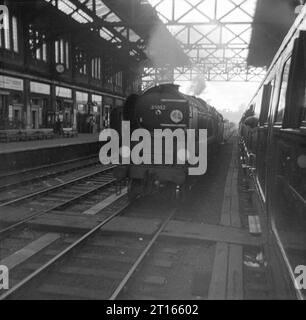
<point x="197" y="86"/>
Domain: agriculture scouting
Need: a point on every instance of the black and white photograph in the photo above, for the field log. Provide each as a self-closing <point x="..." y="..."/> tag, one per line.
<point x="153" y="153"/>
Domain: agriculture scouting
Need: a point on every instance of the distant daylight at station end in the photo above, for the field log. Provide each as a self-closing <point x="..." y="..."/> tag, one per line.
<point x="152" y="153"/>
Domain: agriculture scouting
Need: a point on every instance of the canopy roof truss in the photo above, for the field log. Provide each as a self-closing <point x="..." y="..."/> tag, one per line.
<point x="216" y="36"/>
<point x="104" y="21"/>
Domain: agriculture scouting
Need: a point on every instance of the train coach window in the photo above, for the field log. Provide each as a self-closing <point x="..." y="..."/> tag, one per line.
<point x="283" y="93"/>
<point x="295" y="96"/>
<point x="266" y="100"/>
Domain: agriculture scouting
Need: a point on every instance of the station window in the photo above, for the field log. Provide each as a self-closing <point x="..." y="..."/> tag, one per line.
<point x="62" y="52"/>
<point x="15" y="34"/>
<point x="96" y="68"/>
<point x="9" y="36"/>
<point x="283" y="93"/>
<point x="38" y="44"/>
<point x="67" y="54"/>
<point x="5" y="39"/>
<point x="81" y="61"/>
<point x="118" y="79"/>
<point x="109" y="79"/>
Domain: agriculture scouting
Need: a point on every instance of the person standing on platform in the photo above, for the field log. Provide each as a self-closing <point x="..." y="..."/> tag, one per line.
<point x="61" y="123"/>
<point x="57" y="125"/>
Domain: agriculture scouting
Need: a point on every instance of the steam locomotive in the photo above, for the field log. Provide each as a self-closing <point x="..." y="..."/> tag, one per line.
<point x="163" y="107"/>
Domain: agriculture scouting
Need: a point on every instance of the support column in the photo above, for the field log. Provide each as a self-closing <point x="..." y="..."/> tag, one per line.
<point x="75" y="110"/>
<point x="27" y="105"/>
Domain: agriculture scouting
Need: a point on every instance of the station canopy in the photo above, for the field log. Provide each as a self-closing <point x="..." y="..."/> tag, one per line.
<point x="216" y="36"/>
<point x="180" y="40"/>
<point x="126" y="25"/>
<point x="272" y="21"/>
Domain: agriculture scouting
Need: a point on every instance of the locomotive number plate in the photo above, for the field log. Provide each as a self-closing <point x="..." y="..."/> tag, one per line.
<point x="161" y="107"/>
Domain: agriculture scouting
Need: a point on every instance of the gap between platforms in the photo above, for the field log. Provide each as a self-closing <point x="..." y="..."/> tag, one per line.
<point x="227" y="276"/>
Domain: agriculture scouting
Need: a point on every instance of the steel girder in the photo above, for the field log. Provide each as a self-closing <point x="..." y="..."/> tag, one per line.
<point x="216" y="36"/>
<point x="101" y="19"/>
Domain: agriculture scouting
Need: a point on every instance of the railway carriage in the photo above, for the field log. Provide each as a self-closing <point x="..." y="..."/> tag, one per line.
<point x="273" y="144"/>
<point x="164" y="107"/>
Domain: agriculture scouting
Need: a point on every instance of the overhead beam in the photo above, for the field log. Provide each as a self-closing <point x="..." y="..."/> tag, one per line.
<point x="125" y="42"/>
<point x="215" y="34"/>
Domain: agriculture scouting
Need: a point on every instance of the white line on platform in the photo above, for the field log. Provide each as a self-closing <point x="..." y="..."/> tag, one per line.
<point x="30" y="250"/>
<point x="105" y="203"/>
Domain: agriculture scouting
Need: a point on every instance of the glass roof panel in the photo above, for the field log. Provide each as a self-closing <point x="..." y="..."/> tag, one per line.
<point x="101" y="9"/>
<point x="81" y="17"/>
<point x="133" y="36"/>
<point x="66" y="6"/>
<point x="106" y="34"/>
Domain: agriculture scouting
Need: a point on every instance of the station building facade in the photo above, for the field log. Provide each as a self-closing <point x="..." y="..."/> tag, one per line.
<point x="49" y="75"/>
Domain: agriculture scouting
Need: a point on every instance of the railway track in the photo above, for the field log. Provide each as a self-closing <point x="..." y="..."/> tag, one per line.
<point x="18" y="184"/>
<point x="118" y="258"/>
<point x="97" y="265"/>
<point x="89" y="189"/>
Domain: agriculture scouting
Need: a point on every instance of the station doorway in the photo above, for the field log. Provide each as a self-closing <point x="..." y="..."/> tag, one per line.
<point x="34" y="118"/>
<point x="65" y="110"/>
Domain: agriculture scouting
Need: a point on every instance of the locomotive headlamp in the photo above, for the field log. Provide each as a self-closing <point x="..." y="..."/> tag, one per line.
<point x="176" y="116"/>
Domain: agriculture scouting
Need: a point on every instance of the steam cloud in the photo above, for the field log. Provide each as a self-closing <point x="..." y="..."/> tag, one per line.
<point x="162" y="53"/>
<point x="197" y="86"/>
<point x="160" y="49"/>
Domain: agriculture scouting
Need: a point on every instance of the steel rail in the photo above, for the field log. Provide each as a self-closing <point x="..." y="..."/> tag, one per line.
<point x="39" y="272"/>
<point x="5" y="187"/>
<point x="57" y="187"/>
<point x="47" y="166"/>
<point x="22" y="222"/>
<point x="142" y="256"/>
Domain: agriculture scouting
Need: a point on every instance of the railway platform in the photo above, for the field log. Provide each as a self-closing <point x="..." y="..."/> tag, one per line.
<point x="26" y="154"/>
